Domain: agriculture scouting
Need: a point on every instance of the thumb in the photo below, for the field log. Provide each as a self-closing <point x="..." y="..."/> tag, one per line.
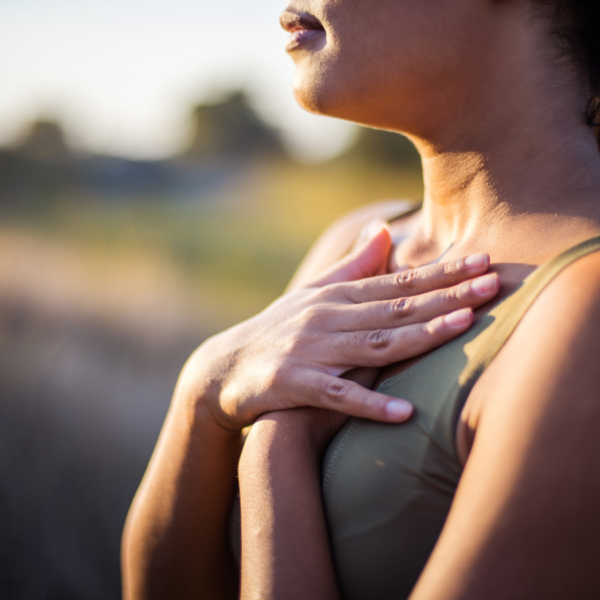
<point x="367" y="260"/>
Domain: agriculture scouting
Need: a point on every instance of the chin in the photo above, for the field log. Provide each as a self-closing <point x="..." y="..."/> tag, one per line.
<point x="322" y="92"/>
<point x="311" y="96"/>
<point x="315" y="83"/>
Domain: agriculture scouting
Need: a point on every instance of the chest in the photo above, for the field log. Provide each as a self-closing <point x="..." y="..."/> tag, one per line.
<point x="388" y="488"/>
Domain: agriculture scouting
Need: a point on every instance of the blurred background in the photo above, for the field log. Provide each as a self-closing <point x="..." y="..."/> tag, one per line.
<point x="158" y="183"/>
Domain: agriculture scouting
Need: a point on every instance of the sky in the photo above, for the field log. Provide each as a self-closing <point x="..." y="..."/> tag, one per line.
<point x="122" y="75"/>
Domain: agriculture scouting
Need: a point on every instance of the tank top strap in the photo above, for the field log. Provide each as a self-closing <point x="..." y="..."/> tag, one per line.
<point x="496" y="326"/>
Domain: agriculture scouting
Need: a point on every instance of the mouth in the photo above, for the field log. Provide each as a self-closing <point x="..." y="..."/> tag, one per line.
<point x="302" y="26"/>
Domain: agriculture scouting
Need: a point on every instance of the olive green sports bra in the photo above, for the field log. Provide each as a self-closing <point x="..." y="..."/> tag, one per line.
<point x="387" y="489"/>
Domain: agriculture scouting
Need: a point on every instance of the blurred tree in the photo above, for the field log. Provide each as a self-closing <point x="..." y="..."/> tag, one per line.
<point x="36" y="170"/>
<point x="44" y="141"/>
<point x="231" y="129"/>
<point x="383" y="147"/>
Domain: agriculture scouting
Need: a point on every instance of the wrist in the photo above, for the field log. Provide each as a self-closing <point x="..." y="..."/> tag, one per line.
<point x="305" y="427"/>
<point x="275" y="454"/>
<point x="293" y="434"/>
<point x="199" y="387"/>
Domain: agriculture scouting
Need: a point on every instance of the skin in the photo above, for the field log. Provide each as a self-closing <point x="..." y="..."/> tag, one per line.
<point x="498" y="121"/>
<point x="176" y="540"/>
<point x="514" y="172"/>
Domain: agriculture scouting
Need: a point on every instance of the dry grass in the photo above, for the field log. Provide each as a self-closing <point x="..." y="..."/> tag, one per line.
<point x="99" y="306"/>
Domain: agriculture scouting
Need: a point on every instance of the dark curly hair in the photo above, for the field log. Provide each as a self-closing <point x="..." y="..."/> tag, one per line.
<point x="577" y="27"/>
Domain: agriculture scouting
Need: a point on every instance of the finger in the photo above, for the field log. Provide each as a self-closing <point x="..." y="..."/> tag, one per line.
<point x="368" y="231"/>
<point x="367" y="260"/>
<point x="382" y="347"/>
<point x="332" y="393"/>
<point x="416" y="309"/>
<point x="414" y="281"/>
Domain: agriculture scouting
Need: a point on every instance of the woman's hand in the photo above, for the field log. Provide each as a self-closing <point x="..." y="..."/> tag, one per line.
<point x="294" y="352"/>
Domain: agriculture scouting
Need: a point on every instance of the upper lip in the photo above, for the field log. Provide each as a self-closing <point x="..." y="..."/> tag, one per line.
<point x="292" y="20"/>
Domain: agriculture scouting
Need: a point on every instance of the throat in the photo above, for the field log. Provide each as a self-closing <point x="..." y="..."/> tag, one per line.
<point x="412" y="249"/>
<point x="442" y="255"/>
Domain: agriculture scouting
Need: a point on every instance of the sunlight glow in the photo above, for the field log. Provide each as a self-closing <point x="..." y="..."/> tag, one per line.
<point x="121" y="75"/>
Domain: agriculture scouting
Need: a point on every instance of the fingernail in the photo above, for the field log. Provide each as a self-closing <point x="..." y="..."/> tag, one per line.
<point x="484" y="285"/>
<point x="477" y="261"/>
<point x="375" y="227"/>
<point x="458" y="318"/>
<point x="398" y="409"/>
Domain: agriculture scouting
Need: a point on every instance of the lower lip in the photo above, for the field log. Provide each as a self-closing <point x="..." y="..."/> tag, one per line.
<point x="300" y="37"/>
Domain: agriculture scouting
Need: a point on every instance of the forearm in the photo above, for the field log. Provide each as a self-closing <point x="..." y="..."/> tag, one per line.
<point x="285" y="545"/>
<point x="175" y="543"/>
<point x="290" y="355"/>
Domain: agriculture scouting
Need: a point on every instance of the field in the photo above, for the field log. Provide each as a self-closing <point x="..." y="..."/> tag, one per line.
<point x="100" y="304"/>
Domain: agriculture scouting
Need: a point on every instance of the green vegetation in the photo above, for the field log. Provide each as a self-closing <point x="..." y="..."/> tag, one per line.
<point x="239" y="246"/>
<point x="229" y="219"/>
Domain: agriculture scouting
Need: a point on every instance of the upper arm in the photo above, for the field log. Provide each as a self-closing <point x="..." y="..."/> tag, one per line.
<point x="525" y="522"/>
<point x="338" y="239"/>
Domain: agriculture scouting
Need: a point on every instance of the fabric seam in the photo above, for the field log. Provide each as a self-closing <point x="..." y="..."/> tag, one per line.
<point x="336" y="455"/>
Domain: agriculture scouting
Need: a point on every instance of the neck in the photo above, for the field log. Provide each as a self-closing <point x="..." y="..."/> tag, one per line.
<point x="522" y="200"/>
<point x="550" y="171"/>
<point x="509" y="159"/>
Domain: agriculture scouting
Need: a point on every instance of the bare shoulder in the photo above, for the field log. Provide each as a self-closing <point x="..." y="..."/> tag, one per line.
<point x="525" y="520"/>
<point x="574" y="290"/>
<point x="339" y="237"/>
<point x="552" y="347"/>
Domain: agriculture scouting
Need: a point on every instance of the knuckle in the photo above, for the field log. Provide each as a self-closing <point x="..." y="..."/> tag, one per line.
<point x="337" y="391"/>
<point x="452" y="294"/>
<point x="449" y="268"/>
<point x="379" y="339"/>
<point x="278" y="375"/>
<point x="429" y="329"/>
<point x="400" y="307"/>
<point x="328" y="291"/>
<point x="405" y="280"/>
<point x="313" y="314"/>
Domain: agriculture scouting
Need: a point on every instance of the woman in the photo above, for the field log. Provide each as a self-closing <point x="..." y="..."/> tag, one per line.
<point x="488" y="486"/>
